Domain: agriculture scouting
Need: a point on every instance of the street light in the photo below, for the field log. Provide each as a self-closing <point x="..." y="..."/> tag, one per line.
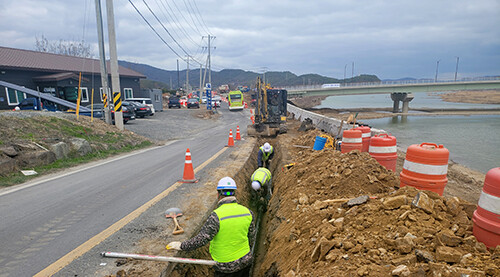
<point x="456" y="70"/>
<point x="345" y="69"/>
<point x="437" y="68"/>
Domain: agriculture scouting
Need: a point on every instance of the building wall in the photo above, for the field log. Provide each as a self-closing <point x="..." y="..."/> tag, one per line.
<point x="25" y="78"/>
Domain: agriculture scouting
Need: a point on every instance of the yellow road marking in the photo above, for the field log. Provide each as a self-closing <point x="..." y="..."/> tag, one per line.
<point x="91" y="243"/>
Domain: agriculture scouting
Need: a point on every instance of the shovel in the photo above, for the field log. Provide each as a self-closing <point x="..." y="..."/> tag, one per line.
<point x="174" y="213"/>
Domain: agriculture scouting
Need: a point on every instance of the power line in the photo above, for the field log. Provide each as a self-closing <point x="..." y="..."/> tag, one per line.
<point x="174" y="20"/>
<point x="182" y="14"/>
<point x="204" y="24"/>
<point x="152" y="28"/>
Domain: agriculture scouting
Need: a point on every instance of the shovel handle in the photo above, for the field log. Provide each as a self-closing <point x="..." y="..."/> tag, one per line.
<point x="178" y="229"/>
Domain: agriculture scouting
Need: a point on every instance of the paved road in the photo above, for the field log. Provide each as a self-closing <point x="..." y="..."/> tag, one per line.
<point x="41" y="221"/>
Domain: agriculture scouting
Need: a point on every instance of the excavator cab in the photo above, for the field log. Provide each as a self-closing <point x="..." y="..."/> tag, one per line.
<point x="270" y="112"/>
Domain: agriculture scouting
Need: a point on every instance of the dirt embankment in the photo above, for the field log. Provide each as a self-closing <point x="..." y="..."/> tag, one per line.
<point x="35" y="140"/>
<point x="394" y="231"/>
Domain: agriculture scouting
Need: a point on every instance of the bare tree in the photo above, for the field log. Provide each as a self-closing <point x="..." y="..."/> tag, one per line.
<point x="63" y="47"/>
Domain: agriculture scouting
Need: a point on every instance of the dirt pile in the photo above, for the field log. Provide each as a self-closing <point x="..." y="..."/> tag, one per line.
<point x="312" y="229"/>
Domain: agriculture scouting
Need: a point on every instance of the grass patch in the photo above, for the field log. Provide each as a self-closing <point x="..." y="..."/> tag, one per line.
<point x="18" y="177"/>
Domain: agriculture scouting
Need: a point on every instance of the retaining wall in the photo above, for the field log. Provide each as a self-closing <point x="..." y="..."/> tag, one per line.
<point x="327" y="124"/>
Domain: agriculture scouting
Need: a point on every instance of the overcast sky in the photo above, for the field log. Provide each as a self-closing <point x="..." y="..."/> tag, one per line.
<point x="391" y="39"/>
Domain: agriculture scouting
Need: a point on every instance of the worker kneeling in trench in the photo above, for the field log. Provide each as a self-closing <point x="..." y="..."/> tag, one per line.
<point x="230" y="229"/>
<point x="262" y="186"/>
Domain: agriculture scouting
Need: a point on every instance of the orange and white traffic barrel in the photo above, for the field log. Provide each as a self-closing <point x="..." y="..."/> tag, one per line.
<point x="486" y="218"/>
<point x="383" y="149"/>
<point x="366" y="133"/>
<point x="425" y="167"/>
<point x="351" y="140"/>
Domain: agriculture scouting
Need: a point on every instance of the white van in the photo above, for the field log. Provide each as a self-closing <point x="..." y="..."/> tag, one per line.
<point x="145" y="101"/>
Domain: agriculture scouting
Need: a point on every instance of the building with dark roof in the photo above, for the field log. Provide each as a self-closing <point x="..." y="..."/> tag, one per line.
<point x="59" y="76"/>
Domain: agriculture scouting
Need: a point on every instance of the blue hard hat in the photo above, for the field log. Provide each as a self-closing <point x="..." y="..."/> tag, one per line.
<point x="226" y="183"/>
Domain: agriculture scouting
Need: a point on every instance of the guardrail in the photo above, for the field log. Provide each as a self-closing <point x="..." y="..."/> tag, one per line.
<point x="398" y="82"/>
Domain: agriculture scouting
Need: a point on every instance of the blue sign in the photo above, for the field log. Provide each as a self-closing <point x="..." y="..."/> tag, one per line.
<point x="209" y="99"/>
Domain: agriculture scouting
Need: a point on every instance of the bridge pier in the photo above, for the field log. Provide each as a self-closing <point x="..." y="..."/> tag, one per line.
<point x="404" y="97"/>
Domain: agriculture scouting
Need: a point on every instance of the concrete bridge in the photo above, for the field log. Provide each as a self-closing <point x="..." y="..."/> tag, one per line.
<point x="401" y="91"/>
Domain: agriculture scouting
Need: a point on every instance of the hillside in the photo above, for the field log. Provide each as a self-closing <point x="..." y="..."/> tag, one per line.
<point x="236" y="77"/>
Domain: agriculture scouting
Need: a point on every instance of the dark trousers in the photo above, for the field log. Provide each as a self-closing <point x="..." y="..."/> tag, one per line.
<point x="242" y="273"/>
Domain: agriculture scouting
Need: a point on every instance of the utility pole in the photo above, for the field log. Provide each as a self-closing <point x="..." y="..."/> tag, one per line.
<point x="187" y="75"/>
<point x="178" y="76"/>
<point x="201" y="68"/>
<point x="102" y="59"/>
<point x="437" y="68"/>
<point x="209" y="63"/>
<point x="456" y="69"/>
<point x="115" y="78"/>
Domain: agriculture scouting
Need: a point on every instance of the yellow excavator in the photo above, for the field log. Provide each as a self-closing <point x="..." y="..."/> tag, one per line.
<point x="270" y="111"/>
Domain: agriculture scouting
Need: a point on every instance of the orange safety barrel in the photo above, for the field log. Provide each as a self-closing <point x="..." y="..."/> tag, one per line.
<point x="351" y="140"/>
<point x="425" y="167"/>
<point x="383" y="149"/>
<point x="486" y="218"/>
<point x="366" y="133"/>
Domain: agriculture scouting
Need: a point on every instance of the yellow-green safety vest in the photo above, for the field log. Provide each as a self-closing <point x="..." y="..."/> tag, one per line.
<point x="265" y="155"/>
<point x="262" y="174"/>
<point x="231" y="242"/>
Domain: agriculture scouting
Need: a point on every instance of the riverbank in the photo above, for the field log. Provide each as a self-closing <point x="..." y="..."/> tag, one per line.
<point x="475" y="97"/>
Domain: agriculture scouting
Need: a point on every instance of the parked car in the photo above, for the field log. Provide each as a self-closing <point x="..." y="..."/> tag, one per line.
<point x="128" y="114"/>
<point x="33" y="103"/>
<point x="145" y="101"/>
<point x="193" y="103"/>
<point x="174" y="102"/>
<point x="140" y="109"/>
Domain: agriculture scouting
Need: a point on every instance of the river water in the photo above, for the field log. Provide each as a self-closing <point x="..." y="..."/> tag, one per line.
<point x="473" y="141"/>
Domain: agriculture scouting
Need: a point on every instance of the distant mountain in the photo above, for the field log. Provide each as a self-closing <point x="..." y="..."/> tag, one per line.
<point x="236" y="77"/>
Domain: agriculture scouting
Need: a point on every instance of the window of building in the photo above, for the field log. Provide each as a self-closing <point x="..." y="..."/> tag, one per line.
<point x="85" y="94"/>
<point x="129" y="93"/>
<point x="157" y="98"/>
<point x="14" y="97"/>
<point x="101" y="92"/>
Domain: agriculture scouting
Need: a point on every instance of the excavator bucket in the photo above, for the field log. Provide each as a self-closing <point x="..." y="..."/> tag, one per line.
<point x="261" y="130"/>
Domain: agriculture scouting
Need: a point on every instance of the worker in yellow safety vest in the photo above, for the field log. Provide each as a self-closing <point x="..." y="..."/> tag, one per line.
<point x="261" y="183"/>
<point x="230" y="229"/>
<point x="265" y="155"/>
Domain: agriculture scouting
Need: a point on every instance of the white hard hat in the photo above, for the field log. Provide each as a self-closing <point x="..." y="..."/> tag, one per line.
<point x="226" y="183"/>
<point x="267" y="147"/>
<point x="256" y="185"/>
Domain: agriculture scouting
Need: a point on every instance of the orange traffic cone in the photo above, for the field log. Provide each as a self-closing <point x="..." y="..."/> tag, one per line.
<point x="230" y="142"/>
<point x="238" y="135"/>
<point x="188" y="176"/>
<point x="253" y="119"/>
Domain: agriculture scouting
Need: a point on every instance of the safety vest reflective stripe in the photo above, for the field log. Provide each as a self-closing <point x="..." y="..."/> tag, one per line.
<point x="425" y="168"/>
<point x="234" y="216"/>
<point x="352" y="140"/>
<point x="489" y="202"/>
<point x="366" y="135"/>
<point x="261" y="175"/>
<point x="382" y="149"/>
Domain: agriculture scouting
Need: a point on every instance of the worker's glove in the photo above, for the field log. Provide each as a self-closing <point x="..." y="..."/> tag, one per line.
<point x="174" y="245"/>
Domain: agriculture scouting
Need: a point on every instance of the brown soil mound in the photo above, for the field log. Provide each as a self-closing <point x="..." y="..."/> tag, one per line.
<point x="398" y="232"/>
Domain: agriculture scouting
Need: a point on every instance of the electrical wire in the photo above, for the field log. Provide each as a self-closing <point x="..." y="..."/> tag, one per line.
<point x="182" y="14"/>
<point x="203" y="21"/>
<point x="152" y="28"/>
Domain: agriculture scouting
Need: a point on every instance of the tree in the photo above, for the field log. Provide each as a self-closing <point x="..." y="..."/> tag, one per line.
<point x="70" y="48"/>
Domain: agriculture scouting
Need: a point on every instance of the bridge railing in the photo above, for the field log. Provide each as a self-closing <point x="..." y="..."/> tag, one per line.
<point x="393" y="82"/>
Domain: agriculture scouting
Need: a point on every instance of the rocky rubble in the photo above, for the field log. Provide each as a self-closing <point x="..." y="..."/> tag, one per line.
<point x="313" y="231"/>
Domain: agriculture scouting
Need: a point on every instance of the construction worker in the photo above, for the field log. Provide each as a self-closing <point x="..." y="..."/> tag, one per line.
<point x="230" y="229"/>
<point x="265" y="155"/>
<point x="261" y="184"/>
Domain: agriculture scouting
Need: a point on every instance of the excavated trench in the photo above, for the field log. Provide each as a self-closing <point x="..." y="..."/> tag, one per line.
<point x="244" y="196"/>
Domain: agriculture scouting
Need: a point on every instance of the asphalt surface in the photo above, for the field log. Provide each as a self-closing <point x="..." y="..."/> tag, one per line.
<point x="45" y="219"/>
